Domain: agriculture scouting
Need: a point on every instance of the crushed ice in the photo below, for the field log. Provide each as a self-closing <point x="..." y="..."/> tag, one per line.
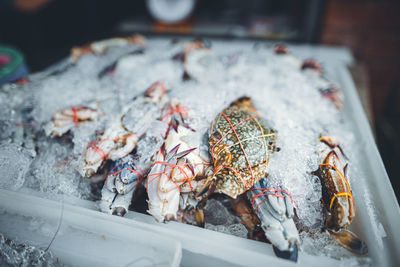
<point x="13" y="253"/>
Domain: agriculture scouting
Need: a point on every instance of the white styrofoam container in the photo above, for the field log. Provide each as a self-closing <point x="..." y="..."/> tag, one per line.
<point x="85" y="237"/>
<point x="378" y="211"/>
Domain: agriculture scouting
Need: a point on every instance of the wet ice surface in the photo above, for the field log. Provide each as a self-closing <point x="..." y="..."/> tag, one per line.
<point x="53" y="172"/>
<point x="14" y="165"/>
<point x="285" y="96"/>
<point x="13" y="253"/>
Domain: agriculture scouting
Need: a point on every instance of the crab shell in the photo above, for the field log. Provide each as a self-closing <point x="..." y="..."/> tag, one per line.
<point x="240" y="145"/>
<point x="336" y="194"/>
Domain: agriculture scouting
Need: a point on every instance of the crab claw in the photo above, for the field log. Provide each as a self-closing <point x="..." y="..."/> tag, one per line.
<point x="291" y="254"/>
<point x="281" y="50"/>
<point x="333" y="94"/>
<point x="350" y="241"/>
<point x="156" y="91"/>
<point x="119" y="211"/>
<point x="208" y="187"/>
<point x="124" y="188"/>
<point x="114" y="203"/>
<point x="130" y="175"/>
<point x="312" y="64"/>
<point x="274" y="208"/>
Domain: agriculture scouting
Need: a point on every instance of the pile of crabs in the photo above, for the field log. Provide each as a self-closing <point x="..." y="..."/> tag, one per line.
<point x="180" y="176"/>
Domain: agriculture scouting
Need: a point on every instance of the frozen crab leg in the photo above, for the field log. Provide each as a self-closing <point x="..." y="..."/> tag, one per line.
<point x="127" y="174"/>
<point x="274" y="207"/>
<point x="120" y="139"/>
<point x="64" y="120"/>
<point x="337" y="196"/>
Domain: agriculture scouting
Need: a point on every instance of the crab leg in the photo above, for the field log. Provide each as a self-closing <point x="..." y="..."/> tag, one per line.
<point x="274" y="208"/>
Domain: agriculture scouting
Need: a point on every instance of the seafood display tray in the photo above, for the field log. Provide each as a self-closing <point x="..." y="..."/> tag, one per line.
<point x="87" y="237"/>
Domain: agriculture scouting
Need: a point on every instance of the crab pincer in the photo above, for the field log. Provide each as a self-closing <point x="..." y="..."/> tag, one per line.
<point x="116" y="195"/>
<point x="274" y="207"/>
<point x="337" y="196"/>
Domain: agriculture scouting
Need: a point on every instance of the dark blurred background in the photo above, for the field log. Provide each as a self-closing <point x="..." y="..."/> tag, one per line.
<point x="45" y="30"/>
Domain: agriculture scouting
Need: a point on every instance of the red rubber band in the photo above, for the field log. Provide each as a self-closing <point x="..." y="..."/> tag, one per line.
<point x="272" y="191"/>
<point x="74" y="115"/>
<point x="98" y="150"/>
<point x="241" y="146"/>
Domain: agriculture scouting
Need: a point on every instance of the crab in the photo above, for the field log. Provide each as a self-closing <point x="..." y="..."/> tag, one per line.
<point x="177" y="165"/>
<point x="337" y="197"/>
<point x="126" y="175"/>
<point x="274" y="206"/>
<point x="178" y="169"/>
<point x="64" y="120"/>
<point x="100" y="47"/>
<point x="240" y="146"/>
<point x="119" y="139"/>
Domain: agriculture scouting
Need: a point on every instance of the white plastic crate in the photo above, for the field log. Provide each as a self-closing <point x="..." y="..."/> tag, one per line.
<point x="137" y="235"/>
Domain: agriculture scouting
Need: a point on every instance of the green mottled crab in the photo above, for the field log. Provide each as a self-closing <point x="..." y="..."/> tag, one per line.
<point x="240" y="145"/>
